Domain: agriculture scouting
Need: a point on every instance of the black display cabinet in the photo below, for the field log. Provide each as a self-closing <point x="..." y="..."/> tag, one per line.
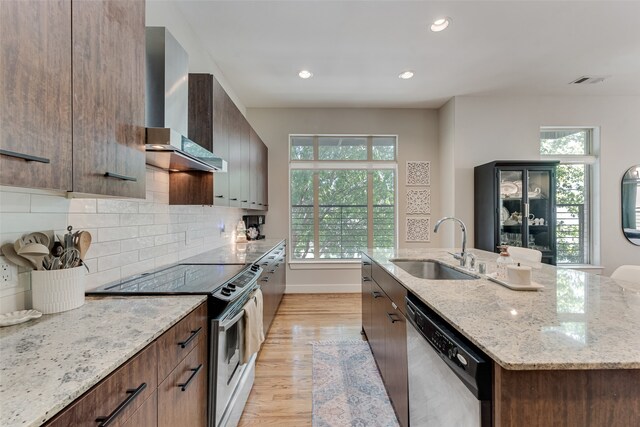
<point x="515" y="205"/>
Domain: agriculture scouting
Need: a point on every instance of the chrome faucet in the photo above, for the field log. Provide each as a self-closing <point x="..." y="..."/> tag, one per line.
<point x="462" y="256"/>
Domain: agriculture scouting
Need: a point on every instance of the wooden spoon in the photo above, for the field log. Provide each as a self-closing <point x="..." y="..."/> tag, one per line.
<point x="9" y="251"/>
<point x="83" y="241"/>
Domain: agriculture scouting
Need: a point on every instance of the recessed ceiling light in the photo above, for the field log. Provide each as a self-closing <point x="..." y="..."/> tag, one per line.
<point x="305" y="74"/>
<point x="406" y="75"/>
<point x="440" y="24"/>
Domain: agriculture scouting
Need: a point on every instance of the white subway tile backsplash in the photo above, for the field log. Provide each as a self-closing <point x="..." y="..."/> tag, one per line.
<point x="152" y="230"/>
<point x="136" y="219"/>
<point x="84" y="221"/>
<point x="14" y="202"/>
<point x="43" y="203"/>
<point x="129" y="236"/>
<point x="117" y="260"/>
<point x="117" y="233"/>
<point x="117" y="206"/>
<point x="100" y="249"/>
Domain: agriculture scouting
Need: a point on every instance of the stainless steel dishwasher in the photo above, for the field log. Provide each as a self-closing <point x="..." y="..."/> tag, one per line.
<point x="449" y="379"/>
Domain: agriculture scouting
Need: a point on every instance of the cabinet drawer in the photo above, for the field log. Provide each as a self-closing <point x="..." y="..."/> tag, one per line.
<point x="125" y="389"/>
<point x="365" y="264"/>
<point x="177" y="342"/>
<point x="146" y="415"/>
<point x="390" y="286"/>
<point x="182" y="397"/>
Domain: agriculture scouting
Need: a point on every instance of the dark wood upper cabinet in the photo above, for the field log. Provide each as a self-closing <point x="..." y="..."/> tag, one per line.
<point x="73" y="96"/>
<point x="108" y="97"/>
<point x="35" y="94"/>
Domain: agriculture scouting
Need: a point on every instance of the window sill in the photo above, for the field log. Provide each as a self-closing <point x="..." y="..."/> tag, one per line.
<point x="322" y="265"/>
<point x="587" y="268"/>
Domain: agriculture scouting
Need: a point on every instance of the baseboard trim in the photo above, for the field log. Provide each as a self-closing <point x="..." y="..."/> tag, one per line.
<point x="324" y="289"/>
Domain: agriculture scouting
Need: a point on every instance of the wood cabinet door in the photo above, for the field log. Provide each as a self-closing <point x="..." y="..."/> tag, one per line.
<point x="129" y="386"/>
<point x="236" y="160"/>
<point x="245" y="163"/>
<point x="378" y="322"/>
<point x="35" y="94"/>
<point x="254" y="162"/>
<point x="221" y="123"/>
<point x="183" y="396"/>
<point x="396" y="364"/>
<point x="146" y="415"/>
<point x="108" y="55"/>
<point x="263" y="177"/>
<point x="367" y="302"/>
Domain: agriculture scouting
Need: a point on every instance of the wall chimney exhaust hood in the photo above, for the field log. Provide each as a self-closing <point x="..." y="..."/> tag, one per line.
<point x="167" y="103"/>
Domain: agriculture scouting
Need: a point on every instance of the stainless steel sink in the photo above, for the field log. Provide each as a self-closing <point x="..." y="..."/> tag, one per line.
<point x="432" y="270"/>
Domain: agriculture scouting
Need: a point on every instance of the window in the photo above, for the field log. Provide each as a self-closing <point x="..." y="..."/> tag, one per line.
<point x="573" y="148"/>
<point x="342" y="191"/>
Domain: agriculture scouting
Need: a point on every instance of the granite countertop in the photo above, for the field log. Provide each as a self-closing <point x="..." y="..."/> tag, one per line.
<point x="235" y="253"/>
<point x="578" y="321"/>
<point x="45" y="364"/>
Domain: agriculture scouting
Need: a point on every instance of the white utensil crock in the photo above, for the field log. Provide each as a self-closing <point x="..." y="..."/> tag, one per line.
<point x="55" y="291"/>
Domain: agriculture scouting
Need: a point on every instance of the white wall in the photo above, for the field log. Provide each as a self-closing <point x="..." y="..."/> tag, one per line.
<point x="417" y="140"/>
<point x="129" y="235"/>
<point x="447" y="137"/>
<point x="163" y="13"/>
<point x="507" y="128"/>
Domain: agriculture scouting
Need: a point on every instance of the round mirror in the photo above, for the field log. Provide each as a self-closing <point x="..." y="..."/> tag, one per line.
<point x="631" y="204"/>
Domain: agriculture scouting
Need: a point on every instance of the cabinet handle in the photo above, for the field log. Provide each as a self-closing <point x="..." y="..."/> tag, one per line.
<point x="194" y="334"/>
<point x="392" y="319"/>
<point x="120" y="177"/>
<point x="243" y="201"/>
<point x="366" y="279"/>
<point x="26" y="157"/>
<point x="366" y="263"/>
<point x="219" y="197"/>
<point x="376" y="294"/>
<point x="264" y="279"/>
<point x="183" y="387"/>
<point x="133" y="393"/>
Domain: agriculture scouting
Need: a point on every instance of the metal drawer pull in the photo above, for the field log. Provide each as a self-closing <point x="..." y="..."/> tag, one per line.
<point x="366" y="263"/>
<point x="219" y="197"/>
<point x="120" y="177"/>
<point x="244" y="201"/>
<point x="133" y="393"/>
<point x="194" y="334"/>
<point x="264" y="279"/>
<point x="392" y="319"/>
<point x="26" y="157"/>
<point x="376" y="294"/>
<point x="234" y="199"/>
<point x="366" y="279"/>
<point x="195" y="371"/>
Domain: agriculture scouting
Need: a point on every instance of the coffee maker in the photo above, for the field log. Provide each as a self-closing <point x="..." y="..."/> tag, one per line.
<point x="256" y="222"/>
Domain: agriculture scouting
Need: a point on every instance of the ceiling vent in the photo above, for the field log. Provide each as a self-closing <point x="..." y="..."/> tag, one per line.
<point x="584" y="80"/>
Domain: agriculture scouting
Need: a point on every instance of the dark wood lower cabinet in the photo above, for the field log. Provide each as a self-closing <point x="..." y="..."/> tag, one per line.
<point x="272" y="281"/>
<point x="385" y="326"/>
<point x="157" y="387"/>
<point x="182" y="396"/>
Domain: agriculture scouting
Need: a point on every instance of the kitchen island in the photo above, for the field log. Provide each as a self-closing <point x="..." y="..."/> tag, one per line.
<point x="568" y="354"/>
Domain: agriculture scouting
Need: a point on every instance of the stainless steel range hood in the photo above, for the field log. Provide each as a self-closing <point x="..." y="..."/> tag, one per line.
<point x="167" y="103"/>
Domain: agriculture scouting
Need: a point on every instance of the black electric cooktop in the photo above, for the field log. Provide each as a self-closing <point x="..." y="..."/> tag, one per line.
<point x="175" y="280"/>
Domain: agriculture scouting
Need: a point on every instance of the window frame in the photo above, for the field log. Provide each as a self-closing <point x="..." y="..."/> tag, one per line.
<point x="591" y="162"/>
<point x="317" y="165"/>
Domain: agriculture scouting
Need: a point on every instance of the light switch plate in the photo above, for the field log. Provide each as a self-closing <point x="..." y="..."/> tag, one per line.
<point x="8" y="274"/>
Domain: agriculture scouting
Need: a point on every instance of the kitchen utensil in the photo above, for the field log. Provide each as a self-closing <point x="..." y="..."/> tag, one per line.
<point x="37" y="237"/>
<point x="34" y="252"/>
<point x="70" y="258"/>
<point x="68" y="238"/>
<point x="52" y="238"/>
<point x="9" y="251"/>
<point x="82" y="243"/>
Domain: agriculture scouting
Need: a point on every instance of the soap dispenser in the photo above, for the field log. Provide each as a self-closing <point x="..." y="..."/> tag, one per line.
<point x="502" y="262"/>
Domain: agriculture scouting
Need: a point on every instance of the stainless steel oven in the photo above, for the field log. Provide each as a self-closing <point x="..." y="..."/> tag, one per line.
<point x="228" y="287"/>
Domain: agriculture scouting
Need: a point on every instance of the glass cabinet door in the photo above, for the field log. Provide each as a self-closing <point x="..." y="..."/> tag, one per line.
<point x="511" y="208"/>
<point x="538" y="210"/>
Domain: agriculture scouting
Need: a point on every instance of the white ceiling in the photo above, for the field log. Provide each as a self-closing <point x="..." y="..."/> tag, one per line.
<point x="356" y="49"/>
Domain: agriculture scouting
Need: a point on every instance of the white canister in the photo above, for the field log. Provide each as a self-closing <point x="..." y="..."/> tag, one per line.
<point x="519" y="275"/>
<point x="54" y="291"/>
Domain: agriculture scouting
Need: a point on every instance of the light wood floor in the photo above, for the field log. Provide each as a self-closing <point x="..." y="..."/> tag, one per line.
<point x="281" y="394"/>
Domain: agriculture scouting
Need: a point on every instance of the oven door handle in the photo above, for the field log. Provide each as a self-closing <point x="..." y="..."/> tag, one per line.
<point x="229" y="323"/>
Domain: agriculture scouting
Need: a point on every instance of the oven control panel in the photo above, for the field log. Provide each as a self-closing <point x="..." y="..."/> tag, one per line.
<point x="234" y="287"/>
